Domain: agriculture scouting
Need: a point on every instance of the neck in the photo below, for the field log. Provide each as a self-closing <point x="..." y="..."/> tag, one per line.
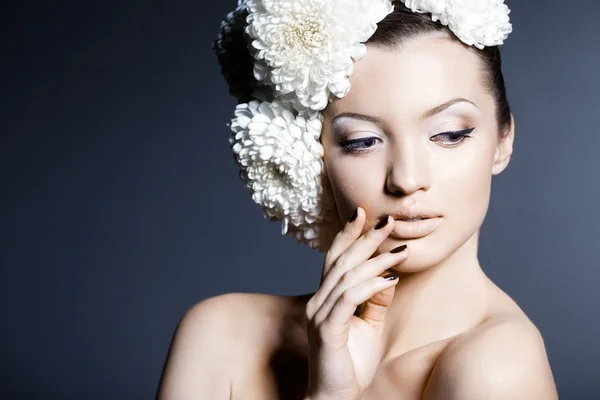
<point x="438" y="302"/>
<point x="430" y="305"/>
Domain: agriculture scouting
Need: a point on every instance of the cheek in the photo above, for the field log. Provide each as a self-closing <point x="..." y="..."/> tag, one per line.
<point x="466" y="187"/>
<point x="354" y="184"/>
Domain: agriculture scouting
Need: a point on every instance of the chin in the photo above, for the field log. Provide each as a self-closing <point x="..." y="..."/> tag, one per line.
<point x="430" y="250"/>
<point x="420" y="258"/>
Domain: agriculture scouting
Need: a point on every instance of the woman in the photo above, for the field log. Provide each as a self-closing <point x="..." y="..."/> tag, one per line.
<point x="403" y="166"/>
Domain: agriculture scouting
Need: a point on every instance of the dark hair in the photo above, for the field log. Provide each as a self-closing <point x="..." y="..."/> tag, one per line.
<point x="231" y="48"/>
<point x="403" y="24"/>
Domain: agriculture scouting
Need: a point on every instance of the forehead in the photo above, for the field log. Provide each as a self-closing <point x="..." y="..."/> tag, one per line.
<point x="401" y="83"/>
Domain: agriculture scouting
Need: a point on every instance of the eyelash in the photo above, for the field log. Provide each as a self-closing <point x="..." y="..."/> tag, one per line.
<point x="350" y="146"/>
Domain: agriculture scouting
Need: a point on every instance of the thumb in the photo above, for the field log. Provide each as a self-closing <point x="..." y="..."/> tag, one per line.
<point x="374" y="310"/>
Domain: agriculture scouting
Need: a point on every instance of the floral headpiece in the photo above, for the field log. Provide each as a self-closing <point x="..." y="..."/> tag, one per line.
<point x="285" y="60"/>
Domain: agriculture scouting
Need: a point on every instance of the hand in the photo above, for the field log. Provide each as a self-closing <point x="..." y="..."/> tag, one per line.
<point x="346" y="349"/>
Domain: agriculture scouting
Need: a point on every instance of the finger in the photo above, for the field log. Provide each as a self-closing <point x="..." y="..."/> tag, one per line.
<point x="358" y="252"/>
<point x="365" y="246"/>
<point x="343" y="310"/>
<point x="353" y="277"/>
<point x="348" y="235"/>
<point x="375" y="309"/>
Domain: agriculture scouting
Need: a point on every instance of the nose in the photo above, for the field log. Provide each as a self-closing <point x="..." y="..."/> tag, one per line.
<point x="408" y="169"/>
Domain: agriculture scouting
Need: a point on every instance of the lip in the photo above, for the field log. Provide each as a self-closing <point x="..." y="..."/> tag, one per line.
<point x="414" y="213"/>
<point x="415" y="229"/>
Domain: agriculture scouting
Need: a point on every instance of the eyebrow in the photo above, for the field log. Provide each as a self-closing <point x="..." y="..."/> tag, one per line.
<point x="442" y="107"/>
<point x="426" y="114"/>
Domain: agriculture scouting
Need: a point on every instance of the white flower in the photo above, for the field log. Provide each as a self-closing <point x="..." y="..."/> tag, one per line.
<point x="437" y="8"/>
<point x="479" y="23"/>
<point x="307" y="47"/>
<point x="301" y="53"/>
<point x="280" y="157"/>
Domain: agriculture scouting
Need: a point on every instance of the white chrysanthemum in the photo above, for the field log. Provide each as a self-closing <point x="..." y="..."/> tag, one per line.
<point x="437" y="8"/>
<point x="307" y="46"/>
<point x="301" y="54"/>
<point x="280" y="157"/>
<point x="479" y="23"/>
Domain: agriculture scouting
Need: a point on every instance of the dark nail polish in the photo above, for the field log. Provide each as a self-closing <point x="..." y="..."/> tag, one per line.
<point x="353" y="215"/>
<point x="391" y="276"/>
<point x="398" y="249"/>
<point x="382" y="222"/>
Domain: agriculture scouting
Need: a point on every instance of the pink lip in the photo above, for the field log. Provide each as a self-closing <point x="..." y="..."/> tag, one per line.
<point x="415" y="229"/>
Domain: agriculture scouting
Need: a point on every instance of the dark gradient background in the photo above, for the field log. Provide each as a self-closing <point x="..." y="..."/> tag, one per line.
<point x="122" y="206"/>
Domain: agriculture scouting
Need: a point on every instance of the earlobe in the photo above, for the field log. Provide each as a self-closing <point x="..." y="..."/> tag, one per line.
<point x="504" y="149"/>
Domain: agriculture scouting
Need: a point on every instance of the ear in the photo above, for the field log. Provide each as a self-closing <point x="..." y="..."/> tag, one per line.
<point x="504" y="149"/>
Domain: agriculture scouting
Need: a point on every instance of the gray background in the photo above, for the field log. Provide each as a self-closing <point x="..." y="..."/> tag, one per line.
<point x="122" y="207"/>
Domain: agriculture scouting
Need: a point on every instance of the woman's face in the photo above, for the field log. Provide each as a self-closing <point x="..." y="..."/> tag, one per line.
<point x="392" y="152"/>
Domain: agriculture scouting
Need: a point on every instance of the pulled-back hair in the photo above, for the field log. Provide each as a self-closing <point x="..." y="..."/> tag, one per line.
<point x="403" y="24"/>
<point x="231" y="48"/>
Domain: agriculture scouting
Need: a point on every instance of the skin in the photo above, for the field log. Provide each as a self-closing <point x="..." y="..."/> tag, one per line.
<point x="450" y="332"/>
<point x="442" y="277"/>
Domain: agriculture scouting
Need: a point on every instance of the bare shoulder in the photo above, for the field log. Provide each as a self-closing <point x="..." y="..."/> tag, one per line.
<point x="210" y="339"/>
<point x="503" y="358"/>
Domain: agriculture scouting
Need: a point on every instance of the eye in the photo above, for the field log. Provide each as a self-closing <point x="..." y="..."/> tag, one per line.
<point x="454" y="138"/>
<point x="358" y="145"/>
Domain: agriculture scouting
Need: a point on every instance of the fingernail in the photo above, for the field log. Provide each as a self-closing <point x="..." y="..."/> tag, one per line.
<point x="353" y="215"/>
<point x="391" y="276"/>
<point x="382" y="222"/>
<point x="399" y="249"/>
